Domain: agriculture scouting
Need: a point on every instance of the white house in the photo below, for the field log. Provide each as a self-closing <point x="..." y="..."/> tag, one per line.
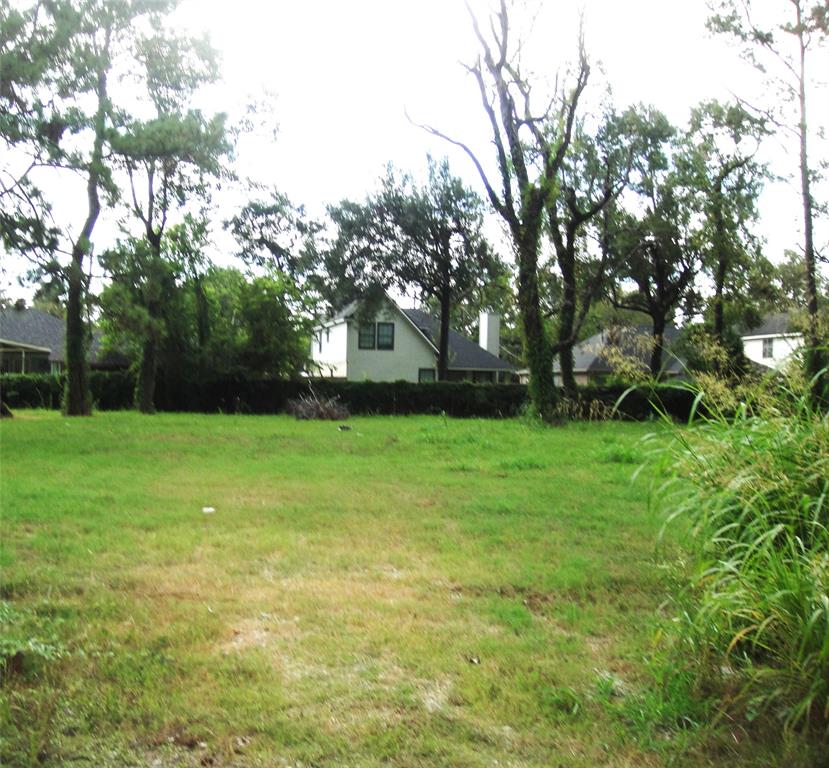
<point x="772" y="343"/>
<point x="401" y="345"/>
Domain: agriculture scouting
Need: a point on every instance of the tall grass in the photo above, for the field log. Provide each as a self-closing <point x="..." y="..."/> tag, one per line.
<point x="752" y="479"/>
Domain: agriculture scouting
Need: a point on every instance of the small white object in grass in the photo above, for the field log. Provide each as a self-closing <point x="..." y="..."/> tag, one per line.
<point x="208" y="510"/>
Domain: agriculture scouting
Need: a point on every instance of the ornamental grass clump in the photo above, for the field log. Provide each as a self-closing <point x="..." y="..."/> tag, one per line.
<point x="753" y="622"/>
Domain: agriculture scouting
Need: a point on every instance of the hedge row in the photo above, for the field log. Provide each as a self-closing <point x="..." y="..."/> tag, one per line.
<point x="111" y="390"/>
<point x="114" y="391"/>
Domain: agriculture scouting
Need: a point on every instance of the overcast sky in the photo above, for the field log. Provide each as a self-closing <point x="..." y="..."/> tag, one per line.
<point x="342" y="74"/>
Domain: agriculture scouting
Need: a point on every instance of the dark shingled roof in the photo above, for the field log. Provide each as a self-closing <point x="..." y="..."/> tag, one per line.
<point x="772" y="325"/>
<point x="40" y="329"/>
<point x="464" y="355"/>
<point x="587" y="355"/>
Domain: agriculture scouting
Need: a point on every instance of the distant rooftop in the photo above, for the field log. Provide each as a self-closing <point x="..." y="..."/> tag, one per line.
<point x="777" y="324"/>
<point x="40" y="329"/>
<point x="588" y="357"/>
<point x="463" y="353"/>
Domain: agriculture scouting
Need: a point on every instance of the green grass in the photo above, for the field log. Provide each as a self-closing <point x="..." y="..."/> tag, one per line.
<point x="413" y="591"/>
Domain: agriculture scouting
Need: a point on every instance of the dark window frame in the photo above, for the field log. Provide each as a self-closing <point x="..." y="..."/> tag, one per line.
<point x="361" y="329"/>
<point x="421" y="380"/>
<point x="377" y="337"/>
<point x="768" y="349"/>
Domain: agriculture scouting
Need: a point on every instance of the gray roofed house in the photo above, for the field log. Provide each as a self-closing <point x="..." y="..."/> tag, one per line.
<point x="32" y="341"/>
<point x="773" y="343"/>
<point x="593" y="361"/>
<point x="401" y="344"/>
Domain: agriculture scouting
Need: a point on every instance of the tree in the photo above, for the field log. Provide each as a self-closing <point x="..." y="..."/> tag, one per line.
<point x="30" y="50"/>
<point x="275" y="233"/>
<point x="168" y="159"/>
<point x="426" y="237"/>
<point x="348" y="267"/>
<point x="530" y="149"/>
<point x="779" y="42"/>
<point x="64" y="119"/>
<point x="256" y="326"/>
<point x="276" y="325"/>
<point x="594" y="173"/>
<point x="650" y="233"/>
<point x="137" y="304"/>
<point x="717" y="160"/>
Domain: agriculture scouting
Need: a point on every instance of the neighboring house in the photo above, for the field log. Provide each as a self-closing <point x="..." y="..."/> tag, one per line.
<point x="401" y="345"/>
<point x="32" y="341"/>
<point x="773" y="342"/>
<point x="595" y="360"/>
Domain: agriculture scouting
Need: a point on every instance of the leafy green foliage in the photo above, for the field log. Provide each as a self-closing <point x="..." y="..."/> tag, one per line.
<point x="651" y="234"/>
<point x="276" y="336"/>
<point x="206" y="325"/>
<point x="753" y="623"/>
<point x="276" y="234"/>
<point x="717" y="162"/>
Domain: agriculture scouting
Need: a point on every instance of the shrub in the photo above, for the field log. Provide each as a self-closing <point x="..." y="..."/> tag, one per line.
<point x="31" y="390"/>
<point x="753" y="622"/>
<point x="311" y="406"/>
<point x="113" y="390"/>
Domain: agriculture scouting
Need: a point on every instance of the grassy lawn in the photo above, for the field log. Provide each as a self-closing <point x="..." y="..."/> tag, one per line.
<point x="412" y="591"/>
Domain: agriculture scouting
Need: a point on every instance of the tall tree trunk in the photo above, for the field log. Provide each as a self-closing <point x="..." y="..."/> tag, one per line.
<point x="657" y="345"/>
<point x="816" y="356"/>
<point x="202" y="313"/>
<point x="567" y="317"/>
<point x="145" y="385"/>
<point x="568" y="376"/>
<point x="719" y="300"/>
<point x="443" y="342"/>
<point x="722" y="267"/>
<point x="537" y="348"/>
<point x="76" y="398"/>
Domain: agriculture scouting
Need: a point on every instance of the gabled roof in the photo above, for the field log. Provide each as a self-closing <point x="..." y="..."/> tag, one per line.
<point x="346" y="312"/>
<point x="588" y="357"/>
<point x="464" y="355"/>
<point x="778" y="324"/>
<point x="34" y="328"/>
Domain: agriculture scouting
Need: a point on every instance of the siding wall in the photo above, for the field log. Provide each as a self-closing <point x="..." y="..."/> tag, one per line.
<point x="328" y="351"/>
<point x="783" y="348"/>
<point x="337" y="354"/>
<point x="411" y="352"/>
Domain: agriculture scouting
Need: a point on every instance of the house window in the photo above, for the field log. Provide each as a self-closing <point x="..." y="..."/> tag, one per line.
<point x="385" y="335"/>
<point x="425" y="375"/>
<point x="366" y="339"/>
<point x="768" y="348"/>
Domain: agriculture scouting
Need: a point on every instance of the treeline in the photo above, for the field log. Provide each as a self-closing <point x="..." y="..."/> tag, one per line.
<point x="612" y="216"/>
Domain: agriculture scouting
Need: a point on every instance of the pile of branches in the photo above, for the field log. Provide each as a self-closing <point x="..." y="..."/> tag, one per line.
<point x="311" y="406"/>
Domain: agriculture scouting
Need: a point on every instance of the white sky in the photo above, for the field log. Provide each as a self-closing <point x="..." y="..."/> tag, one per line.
<point x="343" y="73"/>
